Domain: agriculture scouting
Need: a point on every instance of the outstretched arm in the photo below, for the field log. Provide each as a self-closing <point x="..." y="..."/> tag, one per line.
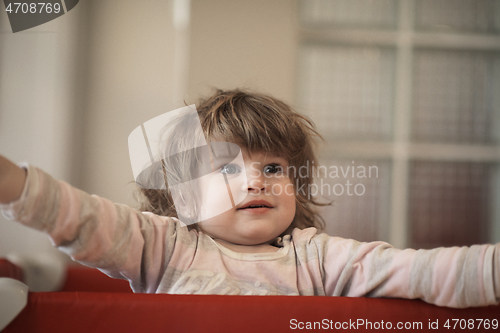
<point x="120" y="241"/>
<point x="12" y="180"/>
<point x="454" y="277"/>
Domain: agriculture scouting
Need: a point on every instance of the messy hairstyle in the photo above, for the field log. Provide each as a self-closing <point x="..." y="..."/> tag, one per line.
<point x="256" y="122"/>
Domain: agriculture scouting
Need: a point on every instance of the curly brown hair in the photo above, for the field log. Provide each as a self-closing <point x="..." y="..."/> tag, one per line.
<point x="256" y="122"/>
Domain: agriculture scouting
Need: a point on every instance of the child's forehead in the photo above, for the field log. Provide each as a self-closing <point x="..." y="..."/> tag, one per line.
<point x="261" y="156"/>
<point x="248" y="152"/>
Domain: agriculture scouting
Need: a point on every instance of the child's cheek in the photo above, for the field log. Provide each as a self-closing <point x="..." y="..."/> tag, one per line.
<point x="286" y="185"/>
<point x="215" y="198"/>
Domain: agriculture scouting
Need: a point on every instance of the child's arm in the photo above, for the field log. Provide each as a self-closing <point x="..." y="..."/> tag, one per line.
<point x="12" y="180"/>
<point x="454" y="277"/>
<point x="120" y="241"/>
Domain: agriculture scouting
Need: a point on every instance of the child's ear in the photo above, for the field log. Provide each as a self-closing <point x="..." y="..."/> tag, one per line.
<point x="183" y="208"/>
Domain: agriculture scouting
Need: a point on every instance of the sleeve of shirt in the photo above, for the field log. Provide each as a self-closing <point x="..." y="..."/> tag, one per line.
<point x="454" y="277"/>
<point x="120" y="241"/>
<point x="9" y="209"/>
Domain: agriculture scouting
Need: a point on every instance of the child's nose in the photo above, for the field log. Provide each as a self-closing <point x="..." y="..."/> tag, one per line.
<point x="256" y="182"/>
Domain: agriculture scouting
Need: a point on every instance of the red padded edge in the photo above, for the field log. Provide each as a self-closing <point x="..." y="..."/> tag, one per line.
<point x="10" y="270"/>
<point x="81" y="278"/>
<point x="116" y="312"/>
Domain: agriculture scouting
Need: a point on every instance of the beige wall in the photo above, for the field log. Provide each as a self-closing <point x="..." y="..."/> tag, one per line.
<point x="243" y="44"/>
<point x="130" y="68"/>
<point x="40" y="77"/>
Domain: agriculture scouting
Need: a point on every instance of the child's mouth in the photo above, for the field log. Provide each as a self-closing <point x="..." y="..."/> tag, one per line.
<point x="256" y="207"/>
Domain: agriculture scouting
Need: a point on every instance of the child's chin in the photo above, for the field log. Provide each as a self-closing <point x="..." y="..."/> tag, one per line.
<point x="259" y="236"/>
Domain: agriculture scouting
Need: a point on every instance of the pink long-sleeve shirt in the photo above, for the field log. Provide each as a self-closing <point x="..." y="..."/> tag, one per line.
<point x="158" y="255"/>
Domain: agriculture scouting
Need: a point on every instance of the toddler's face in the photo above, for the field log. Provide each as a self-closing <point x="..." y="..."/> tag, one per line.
<point x="266" y="199"/>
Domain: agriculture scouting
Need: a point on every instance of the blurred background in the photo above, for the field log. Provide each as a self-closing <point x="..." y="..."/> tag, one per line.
<point x="411" y="87"/>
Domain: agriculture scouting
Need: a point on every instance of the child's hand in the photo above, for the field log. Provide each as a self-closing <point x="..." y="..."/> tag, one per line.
<point x="12" y="180"/>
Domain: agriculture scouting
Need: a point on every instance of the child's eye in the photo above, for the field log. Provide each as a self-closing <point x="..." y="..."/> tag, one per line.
<point x="230" y="169"/>
<point x="273" y="168"/>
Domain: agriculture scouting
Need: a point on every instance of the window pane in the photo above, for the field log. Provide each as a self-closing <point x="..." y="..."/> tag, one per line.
<point x="480" y="16"/>
<point x="361" y="203"/>
<point x="455" y="96"/>
<point x="356" y="13"/>
<point x="348" y="91"/>
<point x="449" y="203"/>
